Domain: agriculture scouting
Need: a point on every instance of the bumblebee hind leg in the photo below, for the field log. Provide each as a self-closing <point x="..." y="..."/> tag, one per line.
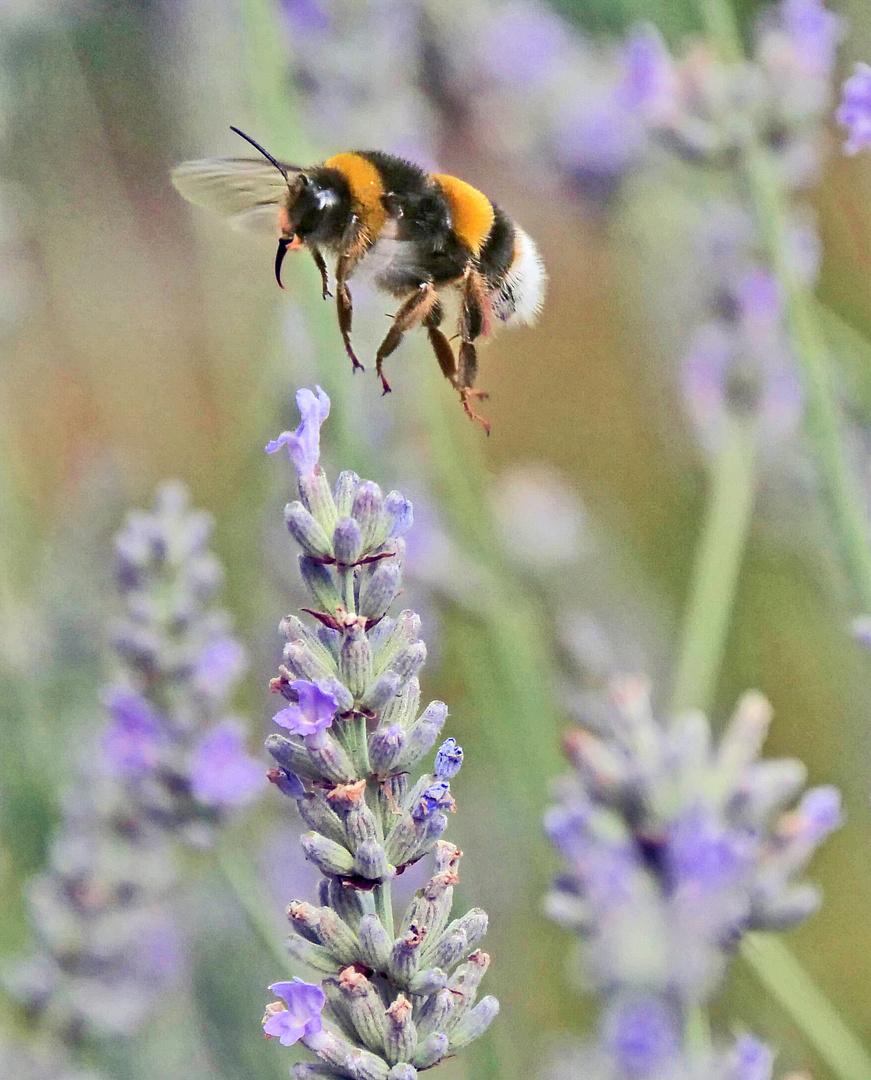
<point x="415" y="310"/>
<point x="472" y="324"/>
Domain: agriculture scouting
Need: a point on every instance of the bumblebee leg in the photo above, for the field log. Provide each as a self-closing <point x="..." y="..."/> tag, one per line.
<point x="353" y="247"/>
<point x="322" y="267"/>
<point x="440" y="344"/>
<point x="472" y="323"/>
<point x="412" y="312"/>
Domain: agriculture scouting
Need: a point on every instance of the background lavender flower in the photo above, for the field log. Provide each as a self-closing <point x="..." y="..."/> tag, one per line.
<point x="675" y="847"/>
<point x="854" y="112"/>
<point x="170" y="763"/>
<point x="400" y="996"/>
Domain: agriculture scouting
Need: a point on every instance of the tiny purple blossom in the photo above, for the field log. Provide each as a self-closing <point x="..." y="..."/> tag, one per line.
<point x="524" y="45"/>
<point x="649" y="87"/>
<point x="819" y="813"/>
<point x="222" y="774"/>
<point x="220" y="664"/>
<point x="854" y="112"/>
<point x="315" y="711"/>
<point x="750" y="1059"/>
<point x="642" y="1035"/>
<point x="131" y="743"/>
<point x="448" y="760"/>
<point x="815" y="33"/>
<point x="304" y="444"/>
<point x="302" y="1016"/>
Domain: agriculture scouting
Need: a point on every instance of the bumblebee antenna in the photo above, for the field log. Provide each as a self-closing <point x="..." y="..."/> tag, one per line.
<point x="281" y="168"/>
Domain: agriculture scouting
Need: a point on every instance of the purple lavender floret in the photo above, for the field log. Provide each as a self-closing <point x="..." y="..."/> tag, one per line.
<point x="854" y="112"/>
<point x="399" y="995"/>
<point x="675" y="847"/>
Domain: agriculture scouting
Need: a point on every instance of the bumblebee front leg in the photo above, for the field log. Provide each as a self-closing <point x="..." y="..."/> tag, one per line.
<point x="471" y="327"/>
<point x="353" y="247"/>
<point x="411" y="313"/>
<point x="322" y="267"/>
<point x="440" y="344"/>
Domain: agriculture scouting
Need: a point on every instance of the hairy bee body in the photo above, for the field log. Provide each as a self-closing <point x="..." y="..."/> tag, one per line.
<point x="419" y="236"/>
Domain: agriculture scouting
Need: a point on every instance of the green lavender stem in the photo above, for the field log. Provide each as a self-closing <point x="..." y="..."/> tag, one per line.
<point x="786" y="980"/>
<point x="770" y="959"/>
<point x="717" y="566"/>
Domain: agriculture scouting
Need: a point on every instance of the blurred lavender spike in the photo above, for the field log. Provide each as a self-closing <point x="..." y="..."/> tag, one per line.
<point x="675" y="846"/>
<point x="400" y="996"/>
<point x="170" y="764"/>
<point x="854" y="112"/>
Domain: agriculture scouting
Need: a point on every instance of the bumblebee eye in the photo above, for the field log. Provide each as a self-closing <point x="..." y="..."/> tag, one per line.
<point x="303" y="180"/>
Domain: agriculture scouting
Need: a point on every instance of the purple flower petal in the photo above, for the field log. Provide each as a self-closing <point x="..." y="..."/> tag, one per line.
<point x="642" y="1035"/>
<point x="132" y="742"/>
<point x="222" y="774"/>
<point x="303" y="1013"/>
<point x="303" y="445"/>
<point x="314" y="712"/>
<point x="855" y="110"/>
<point x="219" y="666"/>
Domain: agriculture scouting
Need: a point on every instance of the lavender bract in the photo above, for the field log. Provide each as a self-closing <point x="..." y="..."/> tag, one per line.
<point x="399" y="995"/>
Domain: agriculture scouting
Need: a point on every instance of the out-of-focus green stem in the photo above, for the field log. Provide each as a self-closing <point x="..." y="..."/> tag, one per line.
<point x="812" y="350"/>
<point x="718" y="562"/>
<point x="786" y="980"/>
<point x="250" y="898"/>
<point x="771" y="960"/>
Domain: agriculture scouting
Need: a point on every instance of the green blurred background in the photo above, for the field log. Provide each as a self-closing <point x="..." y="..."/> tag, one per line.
<point x="141" y="341"/>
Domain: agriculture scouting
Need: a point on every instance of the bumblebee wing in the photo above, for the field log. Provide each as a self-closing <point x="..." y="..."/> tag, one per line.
<point x="248" y="193"/>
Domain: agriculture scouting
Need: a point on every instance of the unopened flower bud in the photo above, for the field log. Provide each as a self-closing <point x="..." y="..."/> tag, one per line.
<point x="380" y="591"/>
<point x="355" y="661"/>
<point x="366" y="509"/>
<point x="347" y="541"/>
<point x="346" y="487"/>
<point x="306" y="531"/>
<point x="321" y="582"/>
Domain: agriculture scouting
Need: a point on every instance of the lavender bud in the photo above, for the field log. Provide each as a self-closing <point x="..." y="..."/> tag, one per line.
<point x="423" y="733"/>
<point x="328" y="856"/>
<point x="405" y="956"/>
<point x="402" y="1071"/>
<point x="397" y="516"/>
<point x="406" y="630"/>
<point x="321" y="582"/>
<point x="315" y="956"/>
<point x="294" y="629"/>
<point x="466" y="979"/>
<point x="302" y="663"/>
<point x="347" y="903"/>
<point x="349" y="802"/>
<point x="304" y="919"/>
<point x="428" y="982"/>
<point x="435" y="1014"/>
<point x="379" y="634"/>
<point x="371" y="862"/>
<point x="401" y="1036"/>
<point x="473" y="924"/>
<point x="346" y="487"/>
<point x="385" y="748"/>
<point x="450" y="948"/>
<point x="374" y="942"/>
<point x="329" y="758"/>
<point x="291" y="756"/>
<point x="381" y="692"/>
<point x="408" y="662"/>
<point x="365" y="1008"/>
<point x="288" y="783"/>
<point x="430" y="1051"/>
<point x="337" y="936"/>
<point x="338" y="1010"/>
<point x="355" y="661"/>
<point x="366" y="509"/>
<point x="380" y="591"/>
<point x="347" y="541"/>
<point x="306" y="531"/>
<point x="405" y="839"/>
<point x="784" y="909"/>
<point x="402" y="708"/>
<point x="349" y="1060"/>
<point x="769" y="786"/>
<point x="308" y="1070"/>
<point x="448" y="760"/>
<point x="474" y="1023"/>
<point x="314" y="491"/>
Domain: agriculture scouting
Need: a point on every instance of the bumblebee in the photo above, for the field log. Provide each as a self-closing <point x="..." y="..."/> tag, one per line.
<point x="421" y="237"/>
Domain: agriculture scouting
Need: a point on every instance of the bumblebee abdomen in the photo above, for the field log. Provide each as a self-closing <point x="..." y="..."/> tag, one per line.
<point x="518" y="295"/>
<point x="472" y="213"/>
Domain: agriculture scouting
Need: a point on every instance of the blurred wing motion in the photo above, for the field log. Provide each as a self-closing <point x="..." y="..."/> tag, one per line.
<point x="247" y="193"/>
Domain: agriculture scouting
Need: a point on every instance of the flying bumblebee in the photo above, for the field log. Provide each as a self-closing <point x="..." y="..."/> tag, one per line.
<point x="419" y="236"/>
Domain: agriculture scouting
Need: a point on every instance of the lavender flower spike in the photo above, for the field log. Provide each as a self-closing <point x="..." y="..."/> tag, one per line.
<point x="170" y="764"/>
<point x="854" y="112"/>
<point x="675" y="847"/>
<point x="398" y="995"/>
